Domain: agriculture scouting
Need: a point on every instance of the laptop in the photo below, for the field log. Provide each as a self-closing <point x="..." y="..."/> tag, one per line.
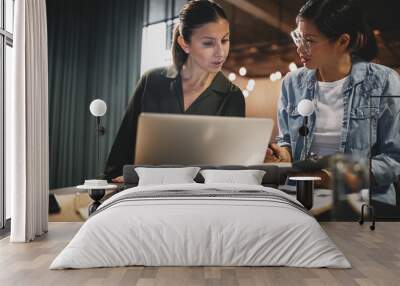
<point x="201" y="140"/>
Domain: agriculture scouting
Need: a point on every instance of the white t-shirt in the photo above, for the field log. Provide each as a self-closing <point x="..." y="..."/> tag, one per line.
<point x="329" y="117"/>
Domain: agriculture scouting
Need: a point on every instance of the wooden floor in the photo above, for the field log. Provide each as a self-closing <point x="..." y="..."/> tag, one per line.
<point x="375" y="257"/>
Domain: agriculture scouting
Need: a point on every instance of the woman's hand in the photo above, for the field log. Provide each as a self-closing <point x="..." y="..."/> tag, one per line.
<point x="277" y="154"/>
<point x="119" y="179"/>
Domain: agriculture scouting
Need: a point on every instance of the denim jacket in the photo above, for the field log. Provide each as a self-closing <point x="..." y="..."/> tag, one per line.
<point x="366" y="79"/>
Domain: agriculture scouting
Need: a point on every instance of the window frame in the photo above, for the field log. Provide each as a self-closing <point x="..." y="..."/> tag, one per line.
<point x="6" y="39"/>
<point x="169" y="25"/>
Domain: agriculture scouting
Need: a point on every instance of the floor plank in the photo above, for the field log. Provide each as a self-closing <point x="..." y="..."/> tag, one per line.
<point x="375" y="257"/>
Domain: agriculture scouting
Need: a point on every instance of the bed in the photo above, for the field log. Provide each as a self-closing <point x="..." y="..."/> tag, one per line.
<point x="198" y="224"/>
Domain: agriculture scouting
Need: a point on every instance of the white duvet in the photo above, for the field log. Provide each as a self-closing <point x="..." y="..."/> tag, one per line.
<point x="200" y="231"/>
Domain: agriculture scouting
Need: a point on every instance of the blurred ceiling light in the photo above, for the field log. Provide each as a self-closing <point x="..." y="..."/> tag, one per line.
<point x="245" y="93"/>
<point x="250" y="85"/>
<point x="292" y="67"/>
<point x="232" y="76"/>
<point x="377" y="32"/>
<point x="275" y="76"/>
<point x="242" y="71"/>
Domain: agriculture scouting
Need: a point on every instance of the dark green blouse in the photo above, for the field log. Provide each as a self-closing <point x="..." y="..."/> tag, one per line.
<point x="160" y="91"/>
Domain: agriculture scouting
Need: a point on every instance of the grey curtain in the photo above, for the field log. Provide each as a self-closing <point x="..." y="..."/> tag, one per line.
<point x="94" y="52"/>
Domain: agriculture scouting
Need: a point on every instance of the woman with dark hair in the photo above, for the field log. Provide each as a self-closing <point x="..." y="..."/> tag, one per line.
<point x="336" y="45"/>
<point x="193" y="85"/>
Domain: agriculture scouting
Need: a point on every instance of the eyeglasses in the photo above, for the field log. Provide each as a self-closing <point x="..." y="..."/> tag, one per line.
<point x="300" y="41"/>
<point x="306" y="44"/>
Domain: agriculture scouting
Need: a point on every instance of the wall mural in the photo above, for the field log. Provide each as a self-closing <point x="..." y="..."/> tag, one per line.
<point x="338" y="171"/>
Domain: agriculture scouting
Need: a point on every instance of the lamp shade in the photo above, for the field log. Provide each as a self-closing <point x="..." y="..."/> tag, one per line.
<point x="305" y="107"/>
<point x="98" y="107"/>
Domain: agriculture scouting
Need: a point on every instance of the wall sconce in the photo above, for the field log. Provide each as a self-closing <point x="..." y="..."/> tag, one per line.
<point x="98" y="108"/>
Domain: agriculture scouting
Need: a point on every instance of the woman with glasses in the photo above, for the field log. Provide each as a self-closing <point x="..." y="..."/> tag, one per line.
<point x="336" y="45"/>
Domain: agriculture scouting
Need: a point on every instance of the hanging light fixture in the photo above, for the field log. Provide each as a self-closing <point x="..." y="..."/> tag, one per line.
<point x="242" y="71"/>
<point x="250" y="85"/>
<point x="292" y="67"/>
<point x="275" y="76"/>
<point x="232" y="76"/>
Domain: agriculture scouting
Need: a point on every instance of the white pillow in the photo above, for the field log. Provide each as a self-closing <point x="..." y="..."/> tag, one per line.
<point x="248" y="177"/>
<point x="164" y="176"/>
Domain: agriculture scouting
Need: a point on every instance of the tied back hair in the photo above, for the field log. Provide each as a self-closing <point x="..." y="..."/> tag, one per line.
<point x="334" y="18"/>
<point x="193" y="15"/>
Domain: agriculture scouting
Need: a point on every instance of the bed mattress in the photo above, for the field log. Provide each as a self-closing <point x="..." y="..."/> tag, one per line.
<point x="201" y="225"/>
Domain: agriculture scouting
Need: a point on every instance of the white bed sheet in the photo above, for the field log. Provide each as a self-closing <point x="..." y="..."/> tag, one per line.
<point x="200" y="231"/>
